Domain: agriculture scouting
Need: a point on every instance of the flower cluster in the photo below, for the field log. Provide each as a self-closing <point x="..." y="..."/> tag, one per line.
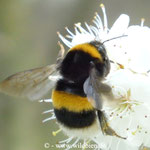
<point x="129" y="78"/>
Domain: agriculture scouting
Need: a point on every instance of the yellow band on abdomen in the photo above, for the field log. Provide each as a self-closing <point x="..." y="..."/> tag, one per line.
<point x="71" y="102"/>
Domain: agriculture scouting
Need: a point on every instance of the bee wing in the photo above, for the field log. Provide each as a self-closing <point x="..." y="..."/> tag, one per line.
<point x="96" y="90"/>
<point x="91" y="90"/>
<point x="32" y="84"/>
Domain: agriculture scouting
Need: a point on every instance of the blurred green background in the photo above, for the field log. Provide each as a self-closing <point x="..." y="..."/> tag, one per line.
<point x="28" y="40"/>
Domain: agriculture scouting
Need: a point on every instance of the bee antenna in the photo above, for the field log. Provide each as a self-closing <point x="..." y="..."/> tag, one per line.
<point x="115" y="38"/>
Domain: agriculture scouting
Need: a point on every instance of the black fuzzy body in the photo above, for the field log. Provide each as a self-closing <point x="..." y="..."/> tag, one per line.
<point x="75" y="119"/>
<point x="75" y="66"/>
<point x="75" y="69"/>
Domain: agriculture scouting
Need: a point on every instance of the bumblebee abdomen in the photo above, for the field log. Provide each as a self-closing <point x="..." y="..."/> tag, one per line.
<point x="72" y="110"/>
<point x="71" y="102"/>
<point x="75" y="119"/>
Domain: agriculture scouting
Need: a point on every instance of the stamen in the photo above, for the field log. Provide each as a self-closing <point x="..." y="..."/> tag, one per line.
<point x="144" y="73"/>
<point x="84" y="143"/>
<point x="54" y="133"/>
<point x="105" y="17"/>
<point x="89" y="29"/>
<point x="48" y="111"/>
<point x="96" y="22"/>
<point x="142" y="22"/>
<point x="69" y="32"/>
<point x="98" y="19"/>
<point x="69" y="36"/>
<point x="76" y="141"/>
<point x="50" y="118"/>
<point x="130" y="122"/>
<point x="95" y="30"/>
<point x="126" y="105"/>
<point x="88" y="141"/>
<point x="66" y="140"/>
<point x="82" y="30"/>
<point x="76" y="30"/>
<point x="137" y="130"/>
<point x="120" y="65"/>
<point x="64" y="40"/>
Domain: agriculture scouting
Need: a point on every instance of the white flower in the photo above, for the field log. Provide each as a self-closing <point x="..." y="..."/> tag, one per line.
<point x="138" y="43"/>
<point x="99" y="32"/>
<point x="129" y="79"/>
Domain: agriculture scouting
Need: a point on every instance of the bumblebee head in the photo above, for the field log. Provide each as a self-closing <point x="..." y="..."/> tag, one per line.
<point x="102" y="63"/>
<point x="76" y="65"/>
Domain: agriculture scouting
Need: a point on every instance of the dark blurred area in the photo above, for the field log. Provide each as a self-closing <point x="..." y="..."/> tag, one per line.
<point x="28" y="40"/>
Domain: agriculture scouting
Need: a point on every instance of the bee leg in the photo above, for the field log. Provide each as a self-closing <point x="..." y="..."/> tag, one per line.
<point x="106" y="129"/>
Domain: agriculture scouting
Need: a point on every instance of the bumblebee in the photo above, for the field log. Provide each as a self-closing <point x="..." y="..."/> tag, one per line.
<point x="78" y="89"/>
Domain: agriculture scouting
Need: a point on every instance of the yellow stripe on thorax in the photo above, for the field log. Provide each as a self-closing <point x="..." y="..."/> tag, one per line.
<point x="88" y="49"/>
<point x="71" y="102"/>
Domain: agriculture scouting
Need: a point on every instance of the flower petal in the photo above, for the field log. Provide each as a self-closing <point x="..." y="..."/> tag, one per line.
<point x="120" y="26"/>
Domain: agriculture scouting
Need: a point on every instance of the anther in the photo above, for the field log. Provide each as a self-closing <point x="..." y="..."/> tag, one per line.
<point x="54" y="133"/>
